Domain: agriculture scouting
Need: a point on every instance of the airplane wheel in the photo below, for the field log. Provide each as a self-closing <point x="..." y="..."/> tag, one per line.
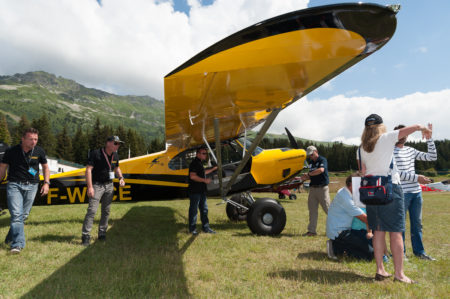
<point x="235" y="213"/>
<point x="292" y="197"/>
<point x="281" y="196"/>
<point x="266" y="217"/>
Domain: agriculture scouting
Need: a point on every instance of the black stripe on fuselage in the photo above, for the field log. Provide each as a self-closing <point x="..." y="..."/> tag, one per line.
<point x="373" y="22"/>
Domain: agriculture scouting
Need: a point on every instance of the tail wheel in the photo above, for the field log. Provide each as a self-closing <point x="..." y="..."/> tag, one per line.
<point x="235" y="213"/>
<point x="266" y="217"/>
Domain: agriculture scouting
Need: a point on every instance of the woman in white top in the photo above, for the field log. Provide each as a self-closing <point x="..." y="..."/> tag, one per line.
<point x="377" y="147"/>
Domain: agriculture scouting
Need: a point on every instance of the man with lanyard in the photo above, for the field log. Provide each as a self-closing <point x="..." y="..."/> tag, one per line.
<point x="100" y="169"/>
<point x="197" y="192"/>
<point x="22" y="162"/>
<point x="318" y="187"/>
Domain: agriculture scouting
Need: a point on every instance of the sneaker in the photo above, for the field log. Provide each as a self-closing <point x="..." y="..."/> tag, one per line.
<point x="15" y="250"/>
<point x="309" y="234"/>
<point x="385" y="259"/>
<point x="424" y="256"/>
<point x="102" y="237"/>
<point x="194" y="232"/>
<point x="85" y="240"/>
<point x="208" y="230"/>
<point x="330" y="251"/>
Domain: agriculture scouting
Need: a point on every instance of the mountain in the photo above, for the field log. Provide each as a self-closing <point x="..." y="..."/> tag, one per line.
<point x="67" y="102"/>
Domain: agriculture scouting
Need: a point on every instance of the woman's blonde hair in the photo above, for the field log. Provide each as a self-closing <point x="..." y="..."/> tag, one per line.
<point x="370" y="136"/>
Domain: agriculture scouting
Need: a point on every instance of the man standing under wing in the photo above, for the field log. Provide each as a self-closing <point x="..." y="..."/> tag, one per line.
<point x="22" y="162"/>
<point x="318" y="187"/>
<point x="405" y="157"/>
<point x="100" y="169"/>
<point x="197" y="192"/>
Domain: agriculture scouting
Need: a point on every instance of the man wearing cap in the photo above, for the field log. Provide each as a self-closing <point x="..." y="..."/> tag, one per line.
<point x="102" y="164"/>
<point x="22" y="162"/>
<point x="318" y="187"/>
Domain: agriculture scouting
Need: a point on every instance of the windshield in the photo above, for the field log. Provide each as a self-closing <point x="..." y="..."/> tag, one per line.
<point x="248" y="144"/>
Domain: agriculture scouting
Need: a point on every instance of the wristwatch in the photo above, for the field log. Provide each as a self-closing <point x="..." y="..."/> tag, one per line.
<point x="121" y="178"/>
<point x="45" y="182"/>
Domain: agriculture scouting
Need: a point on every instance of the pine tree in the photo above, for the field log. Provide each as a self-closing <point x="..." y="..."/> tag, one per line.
<point x="80" y="146"/>
<point x="5" y="136"/>
<point x="46" y="138"/>
<point x="64" y="146"/>
<point x="21" y="127"/>
<point x="96" y="138"/>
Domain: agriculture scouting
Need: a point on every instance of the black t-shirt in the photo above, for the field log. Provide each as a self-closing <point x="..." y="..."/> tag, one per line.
<point x="321" y="179"/>
<point x="197" y="167"/>
<point x="101" y="169"/>
<point x="20" y="162"/>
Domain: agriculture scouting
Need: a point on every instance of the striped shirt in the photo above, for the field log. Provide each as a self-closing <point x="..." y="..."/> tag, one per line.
<point x="405" y="158"/>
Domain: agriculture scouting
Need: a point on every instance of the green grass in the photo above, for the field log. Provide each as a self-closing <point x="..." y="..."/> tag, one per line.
<point x="149" y="254"/>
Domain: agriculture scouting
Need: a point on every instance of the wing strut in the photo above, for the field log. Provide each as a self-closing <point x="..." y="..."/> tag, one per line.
<point x="219" y="155"/>
<point x="256" y="141"/>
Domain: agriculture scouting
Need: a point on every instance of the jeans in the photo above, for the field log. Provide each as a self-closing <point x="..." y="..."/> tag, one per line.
<point x="20" y="198"/>
<point x="413" y="204"/>
<point x="198" y="200"/>
<point x="355" y="243"/>
<point x="102" y="193"/>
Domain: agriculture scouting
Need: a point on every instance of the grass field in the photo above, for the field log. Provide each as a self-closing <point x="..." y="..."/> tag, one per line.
<point x="149" y="254"/>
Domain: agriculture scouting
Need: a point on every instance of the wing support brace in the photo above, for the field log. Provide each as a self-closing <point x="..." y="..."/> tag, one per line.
<point x="259" y="136"/>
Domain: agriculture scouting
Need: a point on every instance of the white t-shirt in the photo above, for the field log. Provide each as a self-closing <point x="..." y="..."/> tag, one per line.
<point x="377" y="162"/>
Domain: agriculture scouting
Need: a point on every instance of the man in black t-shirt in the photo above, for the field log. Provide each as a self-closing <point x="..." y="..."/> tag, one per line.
<point x="102" y="164"/>
<point x="197" y="192"/>
<point x="22" y="162"/>
<point x="318" y="187"/>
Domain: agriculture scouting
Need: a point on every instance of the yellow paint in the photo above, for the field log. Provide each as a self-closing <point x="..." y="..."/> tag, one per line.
<point x="123" y="193"/>
<point x="76" y="193"/>
<point x="239" y="84"/>
<point x="268" y="166"/>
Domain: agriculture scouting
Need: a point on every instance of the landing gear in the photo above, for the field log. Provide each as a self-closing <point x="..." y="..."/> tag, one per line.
<point x="237" y="213"/>
<point x="266" y="217"/>
<point x="292" y="197"/>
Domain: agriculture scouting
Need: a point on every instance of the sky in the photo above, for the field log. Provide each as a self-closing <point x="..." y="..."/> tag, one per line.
<point x="127" y="47"/>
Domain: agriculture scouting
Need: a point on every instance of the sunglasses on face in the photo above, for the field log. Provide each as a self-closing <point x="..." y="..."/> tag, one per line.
<point x="116" y="143"/>
<point x="203" y="153"/>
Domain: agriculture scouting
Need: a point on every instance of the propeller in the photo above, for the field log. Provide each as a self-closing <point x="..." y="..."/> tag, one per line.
<point x="291" y="139"/>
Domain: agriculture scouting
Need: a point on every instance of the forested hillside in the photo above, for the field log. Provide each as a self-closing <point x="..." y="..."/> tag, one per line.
<point x="67" y="103"/>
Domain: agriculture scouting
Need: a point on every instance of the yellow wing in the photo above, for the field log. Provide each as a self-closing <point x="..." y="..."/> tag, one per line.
<point x="268" y="65"/>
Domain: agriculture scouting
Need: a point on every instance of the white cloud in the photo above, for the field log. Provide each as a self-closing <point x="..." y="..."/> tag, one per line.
<point x="122" y="46"/>
<point x="341" y="118"/>
<point x="422" y="49"/>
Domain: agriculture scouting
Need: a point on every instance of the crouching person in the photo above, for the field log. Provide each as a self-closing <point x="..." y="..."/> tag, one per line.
<point x="343" y="239"/>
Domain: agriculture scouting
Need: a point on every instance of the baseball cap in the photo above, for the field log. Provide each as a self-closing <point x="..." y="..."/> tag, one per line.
<point x="115" y="139"/>
<point x="373" y="119"/>
<point x="310" y="149"/>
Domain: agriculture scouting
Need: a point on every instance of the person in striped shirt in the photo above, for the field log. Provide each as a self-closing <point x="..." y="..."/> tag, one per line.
<point x="405" y="157"/>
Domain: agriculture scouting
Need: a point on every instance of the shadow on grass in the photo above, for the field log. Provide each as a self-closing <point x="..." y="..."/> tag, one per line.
<point x="321" y="276"/>
<point x="313" y="255"/>
<point x="140" y="258"/>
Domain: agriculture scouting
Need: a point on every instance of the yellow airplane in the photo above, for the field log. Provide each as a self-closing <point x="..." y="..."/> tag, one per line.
<point x="242" y="81"/>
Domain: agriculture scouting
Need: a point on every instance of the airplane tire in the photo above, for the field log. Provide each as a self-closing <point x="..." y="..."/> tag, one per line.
<point x="266" y="217"/>
<point x="235" y="213"/>
<point x="292" y="197"/>
<point x="281" y="196"/>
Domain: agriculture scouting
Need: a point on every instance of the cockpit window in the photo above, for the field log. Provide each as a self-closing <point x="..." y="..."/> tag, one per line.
<point x="248" y="143"/>
<point x="182" y="160"/>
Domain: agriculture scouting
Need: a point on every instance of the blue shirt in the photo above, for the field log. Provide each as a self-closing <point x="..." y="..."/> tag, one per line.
<point x="341" y="213"/>
<point x="321" y="179"/>
<point x="358" y="224"/>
